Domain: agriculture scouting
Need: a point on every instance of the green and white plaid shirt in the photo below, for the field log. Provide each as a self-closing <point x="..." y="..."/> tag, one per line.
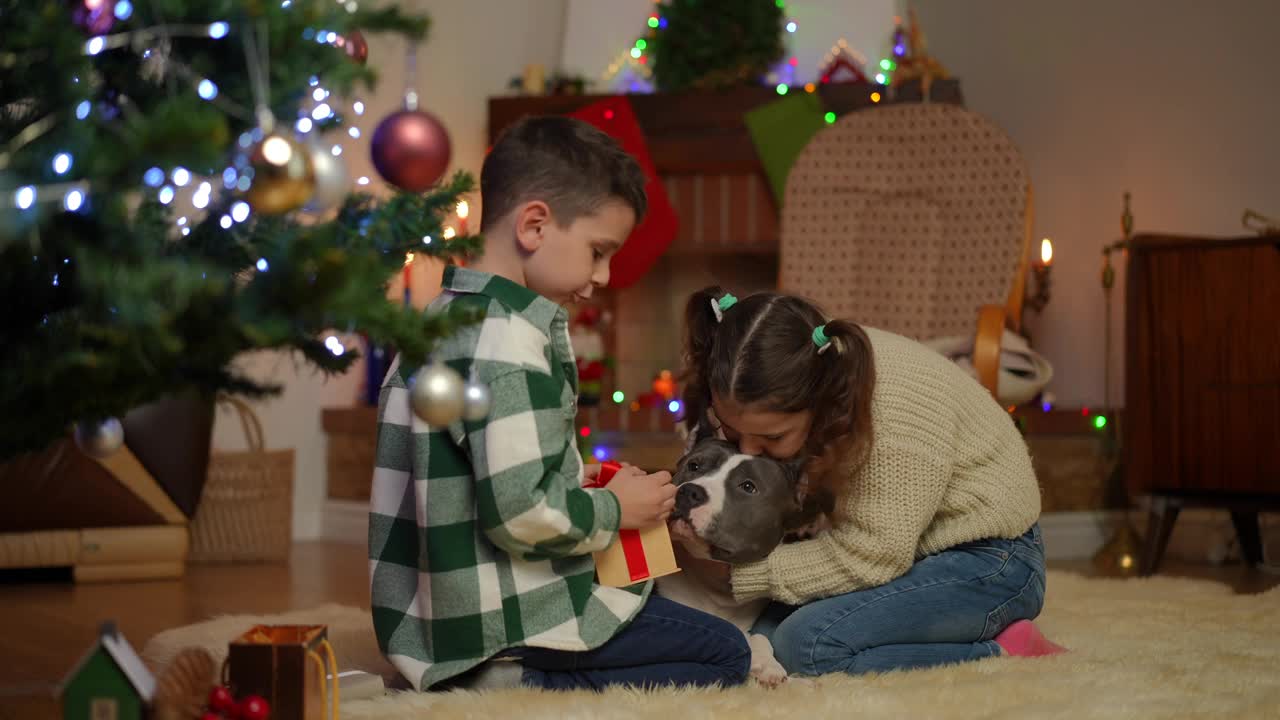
<point x="480" y="533"/>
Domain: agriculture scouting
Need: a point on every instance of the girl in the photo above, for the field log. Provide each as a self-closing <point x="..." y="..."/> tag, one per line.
<point x="934" y="555"/>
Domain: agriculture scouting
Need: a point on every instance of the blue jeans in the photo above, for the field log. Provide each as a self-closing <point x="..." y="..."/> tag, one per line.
<point x="666" y="644"/>
<point x="945" y="609"/>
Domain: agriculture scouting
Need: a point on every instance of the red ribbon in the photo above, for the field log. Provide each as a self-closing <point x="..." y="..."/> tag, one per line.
<point x="632" y="548"/>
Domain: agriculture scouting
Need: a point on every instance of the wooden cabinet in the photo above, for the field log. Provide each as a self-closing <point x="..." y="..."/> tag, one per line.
<point x="1203" y="379"/>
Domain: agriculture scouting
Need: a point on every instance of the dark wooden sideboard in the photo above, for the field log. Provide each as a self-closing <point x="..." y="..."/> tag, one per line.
<point x="1202" y="381"/>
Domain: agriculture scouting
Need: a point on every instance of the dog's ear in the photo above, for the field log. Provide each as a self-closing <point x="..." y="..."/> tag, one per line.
<point x="702" y="430"/>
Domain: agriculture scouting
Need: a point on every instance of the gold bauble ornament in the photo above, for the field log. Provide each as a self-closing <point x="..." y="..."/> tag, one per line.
<point x="283" y="176"/>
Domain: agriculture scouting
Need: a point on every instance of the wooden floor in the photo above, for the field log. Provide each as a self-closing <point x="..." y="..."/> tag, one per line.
<point x="45" y="626"/>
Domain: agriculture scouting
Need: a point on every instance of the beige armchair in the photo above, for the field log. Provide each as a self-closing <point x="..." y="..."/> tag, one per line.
<point x="916" y="219"/>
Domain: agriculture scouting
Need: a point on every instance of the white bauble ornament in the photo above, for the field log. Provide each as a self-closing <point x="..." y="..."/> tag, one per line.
<point x="437" y="395"/>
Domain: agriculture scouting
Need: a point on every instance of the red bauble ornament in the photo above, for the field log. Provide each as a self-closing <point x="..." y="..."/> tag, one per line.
<point x="410" y="150"/>
<point x="254" y="707"/>
<point x="95" y="17"/>
<point x="356" y="46"/>
<point x="221" y="701"/>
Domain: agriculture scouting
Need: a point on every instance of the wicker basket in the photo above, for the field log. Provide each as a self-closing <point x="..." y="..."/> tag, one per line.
<point x="246" y="509"/>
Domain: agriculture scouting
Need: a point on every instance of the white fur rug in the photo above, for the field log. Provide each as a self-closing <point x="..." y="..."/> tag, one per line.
<point x="1151" y="648"/>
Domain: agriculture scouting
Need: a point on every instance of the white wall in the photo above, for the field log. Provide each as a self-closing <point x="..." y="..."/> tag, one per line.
<point x="1172" y="100"/>
<point x="474" y="48"/>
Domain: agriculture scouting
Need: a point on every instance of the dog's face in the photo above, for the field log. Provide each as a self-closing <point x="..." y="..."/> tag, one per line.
<point x="733" y="507"/>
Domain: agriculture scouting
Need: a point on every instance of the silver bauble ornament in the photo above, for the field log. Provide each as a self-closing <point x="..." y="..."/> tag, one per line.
<point x="100" y="439"/>
<point x="332" y="181"/>
<point x="476" y="401"/>
<point x="437" y="394"/>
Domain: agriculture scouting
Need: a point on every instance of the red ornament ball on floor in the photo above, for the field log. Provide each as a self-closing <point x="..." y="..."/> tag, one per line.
<point x="411" y="150"/>
<point x="221" y="701"/>
<point x="254" y="707"/>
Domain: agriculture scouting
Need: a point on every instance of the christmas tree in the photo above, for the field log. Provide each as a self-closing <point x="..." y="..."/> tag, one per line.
<point x="113" y="115"/>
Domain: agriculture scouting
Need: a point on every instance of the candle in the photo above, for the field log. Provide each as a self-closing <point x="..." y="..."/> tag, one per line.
<point x="1046" y="252"/>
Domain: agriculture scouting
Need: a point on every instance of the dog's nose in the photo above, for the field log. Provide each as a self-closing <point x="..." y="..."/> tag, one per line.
<point x="690" y="496"/>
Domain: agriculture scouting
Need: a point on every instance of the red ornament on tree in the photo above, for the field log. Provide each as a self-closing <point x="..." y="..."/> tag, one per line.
<point x="410" y="149"/>
<point x="254" y="707"/>
<point x="356" y="46"/>
<point x="95" y="17"/>
<point x="221" y="701"/>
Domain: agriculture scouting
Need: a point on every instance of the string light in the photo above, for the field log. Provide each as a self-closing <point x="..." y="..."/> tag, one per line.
<point x="95" y="45"/>
<point x="207" y="90"/>
<point x="82" y="110"/>
<point x="166" y="195"/>
<point x="674" y="406"/>
<point x="225" y="222"/>
<point x="791" y="26"/>
<point x="218" y="30"/>
<point x="782" y="88"/>
<point x="426" y="239"/>
<point x="358" y="107"/>
<point x="304" y="125"/>
<point x="182" y="221"/>
<point x="600" y="453"/>
<point x="263" y="265"/>
<point x="322" y="111"/>
<point x="186" y="231"/>
<point x="585" y="431"/>
<point x="229" y="178"/>
<point x="619" y="397"/>
<point x="653" y="21"/>
<point x="636" y="52"/>
<point x="335" y="345"/>
<point x="319" y="94"/>
<point x="153" y="177"/>
<point x="449" y="233"/>
<point x="201" y="199"/>
<point x="124" y="10"/>
<point x="830" y="117"/>
<point x="353" y="132"/>
<point x="337" y="150"/>
<point x="362" y="180"/>
<point x="463" y="210"/>
<point x="1100" y="421"/>
<point x="313" y="81"/>
<point x="875" y="97"/>
<point x="181" y="176"/>
<point x="240" y="211"/>
<point x="880" y="78"/>
<point x="61" y="163"/>
<point x="25" y="197"/>
<point x="73" y="200"/>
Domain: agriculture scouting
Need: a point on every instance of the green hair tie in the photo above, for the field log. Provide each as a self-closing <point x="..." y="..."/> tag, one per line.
<point x="820" y="338"/>
<point x="724" y="303"/>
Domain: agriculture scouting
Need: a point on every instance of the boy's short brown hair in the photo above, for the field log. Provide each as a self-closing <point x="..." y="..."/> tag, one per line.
<point x="570" y="165"/>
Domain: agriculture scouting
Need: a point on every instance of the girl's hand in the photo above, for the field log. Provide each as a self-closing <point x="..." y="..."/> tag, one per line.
<point x="714" y="575"/>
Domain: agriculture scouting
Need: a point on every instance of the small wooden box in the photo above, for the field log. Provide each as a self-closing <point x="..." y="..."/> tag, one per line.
<point x="287" y="665"/>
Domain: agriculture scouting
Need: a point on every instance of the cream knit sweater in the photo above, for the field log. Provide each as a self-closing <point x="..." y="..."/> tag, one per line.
<point x="947" y="466"/>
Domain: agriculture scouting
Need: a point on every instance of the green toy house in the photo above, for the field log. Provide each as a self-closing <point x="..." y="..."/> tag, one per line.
<point x="109" y="683"/>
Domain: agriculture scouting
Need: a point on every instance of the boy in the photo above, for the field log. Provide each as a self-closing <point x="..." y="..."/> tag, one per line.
<point x="480" y="534"/>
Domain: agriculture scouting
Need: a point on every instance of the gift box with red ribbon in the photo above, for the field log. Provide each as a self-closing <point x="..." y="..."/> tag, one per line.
<point x="638" y="555"/>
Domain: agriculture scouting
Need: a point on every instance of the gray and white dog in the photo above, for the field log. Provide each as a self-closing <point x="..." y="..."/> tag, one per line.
<point x="736" y="508"/>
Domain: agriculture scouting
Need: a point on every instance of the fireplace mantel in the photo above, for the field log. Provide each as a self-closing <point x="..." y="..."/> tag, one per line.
<point x="694" y="133"/>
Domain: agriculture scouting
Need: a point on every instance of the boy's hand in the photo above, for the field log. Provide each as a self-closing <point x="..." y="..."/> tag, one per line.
<point x="646" y="499"/>
<point x="591" y="471"/>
